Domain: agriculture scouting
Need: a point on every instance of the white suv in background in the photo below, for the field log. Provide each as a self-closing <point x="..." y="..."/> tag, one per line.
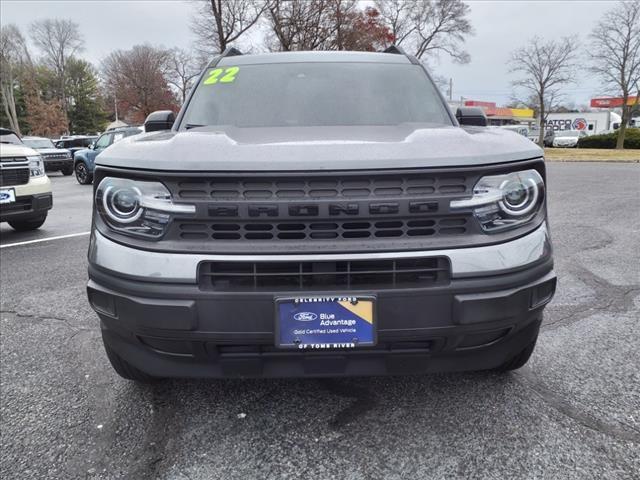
<point x="25" y="190"/>
<point x="568" y="138"/>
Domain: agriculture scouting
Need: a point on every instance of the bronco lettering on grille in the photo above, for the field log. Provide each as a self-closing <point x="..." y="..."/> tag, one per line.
<point x="310" y="210"/>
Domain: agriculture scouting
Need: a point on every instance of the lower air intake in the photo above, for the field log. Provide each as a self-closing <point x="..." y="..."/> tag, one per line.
<point x="343" y="275"/>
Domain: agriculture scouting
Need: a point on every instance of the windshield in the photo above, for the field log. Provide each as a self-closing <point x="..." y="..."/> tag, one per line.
<point x="10" y="138"/>
<point x="39" y="143"/>
<point x="315" y="94"/>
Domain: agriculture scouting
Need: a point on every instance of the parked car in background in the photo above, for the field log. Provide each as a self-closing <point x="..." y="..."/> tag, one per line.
<point x="568" y="138"/>
<point x="547" y="140"/>
<point x="84" y="160"/>
<point x="75" y="143"/>
<point x="549" y="136"/>
<point x="520" y="129"/>
<point x="55" y="159"/>
<point x="25" y="189"/>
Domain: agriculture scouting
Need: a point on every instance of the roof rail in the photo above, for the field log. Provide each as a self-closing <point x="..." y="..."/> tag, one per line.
<point x="394" y="49"/>
<point x="228" y="52"/>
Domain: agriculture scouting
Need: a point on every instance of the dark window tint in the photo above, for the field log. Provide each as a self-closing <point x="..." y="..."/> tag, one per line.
<point x="316" y="94"/>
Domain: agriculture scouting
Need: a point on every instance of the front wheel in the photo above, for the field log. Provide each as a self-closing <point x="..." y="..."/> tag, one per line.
<point x="82" y="174"/>
<point x="29" y="224"/>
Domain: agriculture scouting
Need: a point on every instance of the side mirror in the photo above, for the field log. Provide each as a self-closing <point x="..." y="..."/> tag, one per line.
<point x="471" y="116"/>
<point x="160" y="120"/>
<point x="92" y="146"/>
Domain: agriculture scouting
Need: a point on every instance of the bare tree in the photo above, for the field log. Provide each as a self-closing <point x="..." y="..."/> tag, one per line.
<point x="428" y="27"/>
<point x="300" y="24"/>
<point x="342" y="14"/>
<point x="399" y="16"/>
<point x="441" y="26"/>
<point x="545" y="67"/>
<point x="13" y="57"/>
<point x="218" y="23"/>
<point x="182" y="68"/>
<point x="325" y="25"/>
<point x="615" y="56"/>
<point x="138" y="79"/>
<point x="58" y="40"/>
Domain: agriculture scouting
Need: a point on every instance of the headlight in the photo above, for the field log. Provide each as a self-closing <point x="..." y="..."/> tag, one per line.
<point x="36" y="166"/>
<point x="137" y="208"/>
<point x="500" y="202"/>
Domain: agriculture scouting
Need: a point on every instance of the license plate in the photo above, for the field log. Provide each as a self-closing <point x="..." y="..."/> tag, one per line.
<point x="325" y="322"/>
<point x="7" y="196"/>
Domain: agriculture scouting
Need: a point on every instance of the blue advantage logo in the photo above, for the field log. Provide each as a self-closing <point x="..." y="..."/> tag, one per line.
<point x="305" y="316"/>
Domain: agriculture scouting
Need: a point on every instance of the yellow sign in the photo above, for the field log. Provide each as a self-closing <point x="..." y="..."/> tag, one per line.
<point x="522" y="112"/>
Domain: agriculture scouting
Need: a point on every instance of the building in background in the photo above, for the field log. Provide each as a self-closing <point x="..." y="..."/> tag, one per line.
<point x="499" y="116"/>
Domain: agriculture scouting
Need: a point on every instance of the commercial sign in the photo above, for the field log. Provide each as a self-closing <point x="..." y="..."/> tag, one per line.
<point x="612" y="102"/>
<point x="568" y="124"/>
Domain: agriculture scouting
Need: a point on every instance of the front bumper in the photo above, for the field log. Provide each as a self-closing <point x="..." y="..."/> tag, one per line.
<point x="154" y="315"/>
<point x="58" y="164"/>
<point x="26" y="206"/>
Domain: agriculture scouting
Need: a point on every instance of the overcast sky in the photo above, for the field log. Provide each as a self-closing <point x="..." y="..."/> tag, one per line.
<point x="500" y="26"/>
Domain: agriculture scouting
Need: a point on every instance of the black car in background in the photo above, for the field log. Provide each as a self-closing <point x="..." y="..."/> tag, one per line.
<point x="75" y="143"/>
<point x="55" y="158"/>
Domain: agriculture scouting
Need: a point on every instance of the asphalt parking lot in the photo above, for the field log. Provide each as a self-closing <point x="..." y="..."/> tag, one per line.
<point x="573" y="412"/>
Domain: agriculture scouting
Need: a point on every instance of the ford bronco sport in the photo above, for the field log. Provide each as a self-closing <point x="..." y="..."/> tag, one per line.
<point x="318" y="214"/>
<point x="25" y="190"/>
<point x="55" y="159"/>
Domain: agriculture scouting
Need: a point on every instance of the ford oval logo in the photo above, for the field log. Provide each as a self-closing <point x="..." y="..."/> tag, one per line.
<point x="305" y="316"/>
<point x="4" y="196"/>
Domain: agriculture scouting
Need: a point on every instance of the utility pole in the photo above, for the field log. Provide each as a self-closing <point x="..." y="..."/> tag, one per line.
<point x="450" y="89"/>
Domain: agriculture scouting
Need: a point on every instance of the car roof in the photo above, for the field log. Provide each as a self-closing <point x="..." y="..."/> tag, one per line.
<point x="298" y="57"/>
<point x="31" y="137"/>
<point x="123" y="129"/>
<point x="7" y="131"/>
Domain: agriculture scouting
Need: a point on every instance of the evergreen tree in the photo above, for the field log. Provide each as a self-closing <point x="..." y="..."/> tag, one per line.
<point x="86" y="113"/>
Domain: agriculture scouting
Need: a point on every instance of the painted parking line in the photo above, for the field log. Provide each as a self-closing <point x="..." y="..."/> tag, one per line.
<point x="48" y="239"/>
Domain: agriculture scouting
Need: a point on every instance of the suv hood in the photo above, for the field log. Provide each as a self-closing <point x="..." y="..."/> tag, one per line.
<point x="12" y="150"/>
<point x="318" y="148"/>
<point x="49" y="151"/>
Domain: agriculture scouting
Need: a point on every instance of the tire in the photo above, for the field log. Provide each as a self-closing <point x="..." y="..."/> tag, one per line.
<point x="125" y="369"/>
<point x="83" y="176"/>
<point x="28" y="224"/>
<point x="520" y="359"/>
<point x="67" y="171"/>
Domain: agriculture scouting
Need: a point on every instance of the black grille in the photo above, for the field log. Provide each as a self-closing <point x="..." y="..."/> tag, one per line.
<point x="56" y="156"/>
<point x="343" y="275"/>
<point x="20" y="205"/>
<point x="14" y="176"/>
<point x="323" y="230"/>
<point x="321" y="187"/>
<point x="325" y="211"/>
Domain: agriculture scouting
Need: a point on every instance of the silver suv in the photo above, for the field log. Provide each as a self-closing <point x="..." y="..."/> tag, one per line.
<point x="318" y="214"/>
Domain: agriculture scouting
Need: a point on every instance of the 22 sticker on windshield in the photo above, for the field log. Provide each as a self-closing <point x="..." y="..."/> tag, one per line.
<point x="221" y="75"/>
